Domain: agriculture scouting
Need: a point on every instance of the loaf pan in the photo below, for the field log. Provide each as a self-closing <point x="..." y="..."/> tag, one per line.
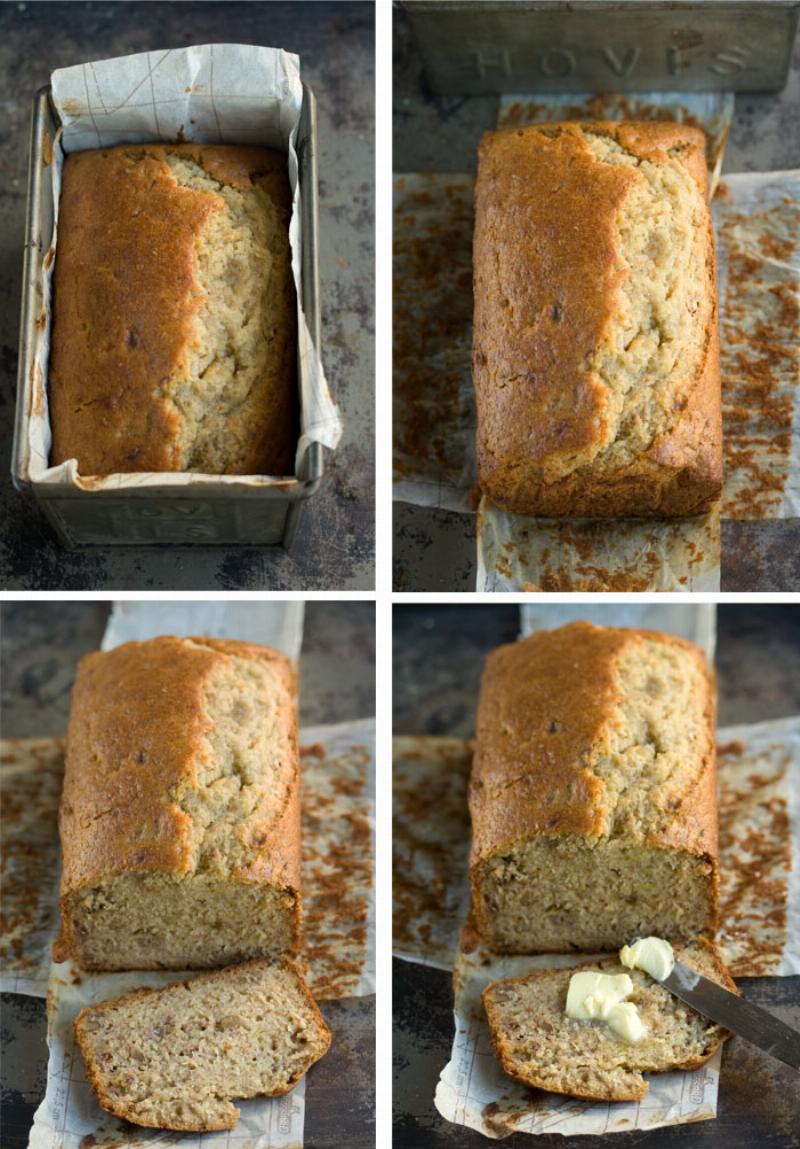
<point x="482" y="47"/>
<point x="200" y="510"/>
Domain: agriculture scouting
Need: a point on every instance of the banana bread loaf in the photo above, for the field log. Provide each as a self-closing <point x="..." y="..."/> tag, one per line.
<point x="593" y="792"/>
<point x="172" y="1058"/>
<point x="174" y="331"/>
<point x="595" y="347"/>
<point x="539" y="1046"/>
<point x="180" y="813"/>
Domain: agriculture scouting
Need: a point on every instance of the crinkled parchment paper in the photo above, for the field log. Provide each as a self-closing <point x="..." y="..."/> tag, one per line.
<point x="759" y="797"/>
<point x="213" y="93"/>
<point x="517" y="553"/>
<point x="31" y="770"/>
<point x="756" y="218"/>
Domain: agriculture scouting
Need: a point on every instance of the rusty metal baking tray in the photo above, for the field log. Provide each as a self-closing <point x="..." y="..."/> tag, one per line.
<point x="481" y="47"/>
<point x="203" y="511"/>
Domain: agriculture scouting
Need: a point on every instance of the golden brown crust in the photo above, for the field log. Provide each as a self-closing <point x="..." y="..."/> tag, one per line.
<point x="544" y="703"/>
<point x="95" y="1079"/>
<point x="722" y="976"/>
<point x="546" y="270"/>
<point x="124" y="301"/>
<point x="136" y="729"/>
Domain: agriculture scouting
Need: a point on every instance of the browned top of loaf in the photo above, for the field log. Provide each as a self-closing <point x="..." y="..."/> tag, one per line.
<point x="124" y="299"/>
<point x="548" y="271"/>
<point x="546" y="756"/>
<point x="136" y="745"/>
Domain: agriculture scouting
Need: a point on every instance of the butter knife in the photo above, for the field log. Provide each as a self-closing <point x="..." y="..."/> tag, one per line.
<point x="750" y="1021"/>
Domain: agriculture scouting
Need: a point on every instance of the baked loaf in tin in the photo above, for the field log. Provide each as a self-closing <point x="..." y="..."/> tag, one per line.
<point x="180" y="813"/>
<point x="540" y="1047"/>
<point x="593" y="792"/>
<point x="173" y="1058"/>
<point x="595" y="347"/>
<point x="174" y="328"/>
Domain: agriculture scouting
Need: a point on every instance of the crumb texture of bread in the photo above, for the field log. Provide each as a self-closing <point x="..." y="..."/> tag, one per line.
<point x="593" y="792"/>
<point x="595" y="348"/>
<point x="174" y="1058"/>
<point x="539" y="1046"/>
<point x="174" y="326"/>
<point x="180" y="812"/>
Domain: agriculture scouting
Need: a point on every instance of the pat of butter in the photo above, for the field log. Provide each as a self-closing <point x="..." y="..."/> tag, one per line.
<point x="653" y="955"/>
<point x="624" y="1019"/>
<point x="595" y="996"/>
<point x="592" y="994"/>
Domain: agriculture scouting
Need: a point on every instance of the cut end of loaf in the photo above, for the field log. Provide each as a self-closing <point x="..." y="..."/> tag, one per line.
<point x="174" y="1058"/>
<point x="540" y="1047"/>
<point x="567" y="895"/>
<point x="166" y="921"/>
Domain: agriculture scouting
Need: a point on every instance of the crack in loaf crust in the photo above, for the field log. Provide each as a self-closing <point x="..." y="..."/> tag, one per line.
<point x="174" y="327"/>
<point x="180" y="813"/>
<point x="172" y="1058"/>
<point x="593" y="792"/>
<point x="595" y="346"/>
<point x="539" y="1046"/>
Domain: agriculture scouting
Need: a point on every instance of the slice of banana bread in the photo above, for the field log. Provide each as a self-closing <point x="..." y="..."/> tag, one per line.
<point x="538" y="1045"/>
<point x="173" y="1058"/>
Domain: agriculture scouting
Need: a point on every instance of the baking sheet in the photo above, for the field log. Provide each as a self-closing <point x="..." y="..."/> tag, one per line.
<point x="759" y="785"/>
<point x="215" y="93"/>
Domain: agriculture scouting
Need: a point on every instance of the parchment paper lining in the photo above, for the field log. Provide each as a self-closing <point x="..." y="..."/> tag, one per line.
<point x="759" y="796"/>
<point x="527" y="554"/>
<point x="218" y="93"/>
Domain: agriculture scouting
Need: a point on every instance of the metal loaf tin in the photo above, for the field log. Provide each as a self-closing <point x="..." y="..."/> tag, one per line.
<point x="482" y="47"/>
<point x="250" y="511"/>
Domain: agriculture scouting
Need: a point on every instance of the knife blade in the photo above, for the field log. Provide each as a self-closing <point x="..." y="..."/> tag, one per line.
<point x="750" y="1021"/>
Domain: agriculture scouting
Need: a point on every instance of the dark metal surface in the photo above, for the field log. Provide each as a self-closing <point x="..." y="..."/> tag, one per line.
<point x="743" y="1018"/>
<point x="436" y="550"/>
<point x="335" y="41"/>
<point x="41" y="642"/>
<point x="438" y="659"/>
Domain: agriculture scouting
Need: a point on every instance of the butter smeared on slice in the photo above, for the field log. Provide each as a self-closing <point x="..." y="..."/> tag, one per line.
<point x="653" y="955"/>
<point x="591" y="994"/>
<point x="595" y="996"/>
<point x="624" y="1019"/>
